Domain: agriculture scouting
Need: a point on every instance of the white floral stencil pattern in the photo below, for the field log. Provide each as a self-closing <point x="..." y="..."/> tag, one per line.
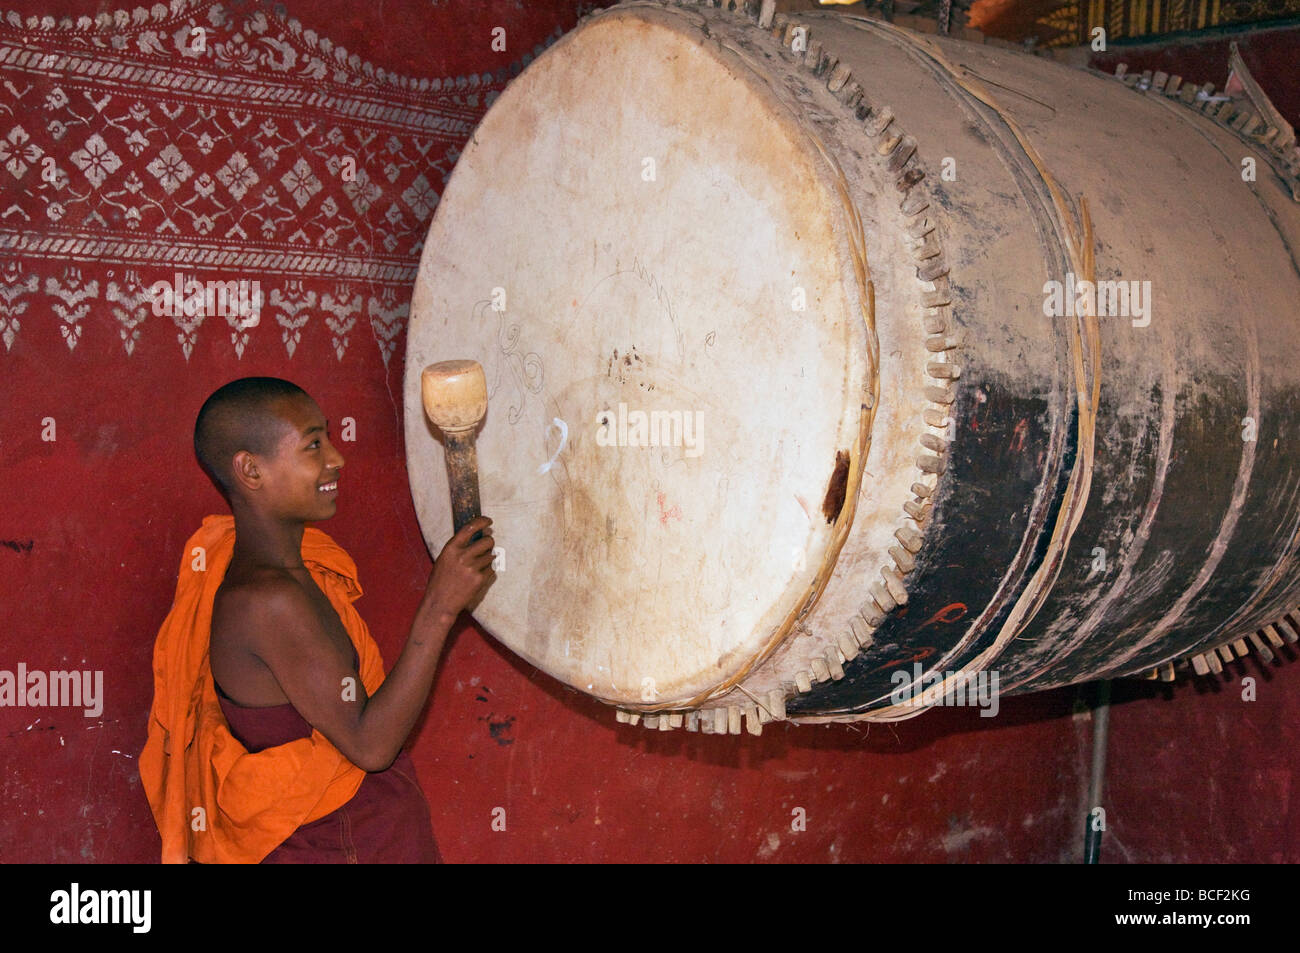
<point x="131" y="151"/>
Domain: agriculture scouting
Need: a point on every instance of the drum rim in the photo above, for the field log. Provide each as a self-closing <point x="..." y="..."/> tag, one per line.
<point x="895" y="151"/>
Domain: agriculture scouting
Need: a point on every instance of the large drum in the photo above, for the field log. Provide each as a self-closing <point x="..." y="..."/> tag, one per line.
<point x="829" y="363"/>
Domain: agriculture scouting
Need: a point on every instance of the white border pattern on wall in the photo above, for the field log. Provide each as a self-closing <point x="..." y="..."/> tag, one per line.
<point x="129" y="153"/>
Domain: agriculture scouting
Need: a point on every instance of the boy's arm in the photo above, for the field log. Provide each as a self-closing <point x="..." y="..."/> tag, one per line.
<point x="313" y="671"/>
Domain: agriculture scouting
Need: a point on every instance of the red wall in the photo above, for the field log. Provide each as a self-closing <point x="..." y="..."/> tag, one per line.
<point x="93" y="523"/>
<point x="1198" y="774"/>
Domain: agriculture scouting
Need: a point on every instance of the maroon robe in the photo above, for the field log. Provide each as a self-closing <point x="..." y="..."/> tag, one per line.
<point x="386" y="822"/>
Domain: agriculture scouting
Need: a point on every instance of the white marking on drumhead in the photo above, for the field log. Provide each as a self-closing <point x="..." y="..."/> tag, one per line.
<point x="564" y="437"/>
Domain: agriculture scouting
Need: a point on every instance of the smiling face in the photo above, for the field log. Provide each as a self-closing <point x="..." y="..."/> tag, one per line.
<point x="298" y="478"/>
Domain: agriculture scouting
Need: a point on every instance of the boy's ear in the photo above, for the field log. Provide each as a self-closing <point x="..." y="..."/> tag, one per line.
<point x="245" y="471"/>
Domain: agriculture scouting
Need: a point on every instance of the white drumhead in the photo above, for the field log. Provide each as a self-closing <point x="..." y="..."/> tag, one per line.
<point x="628" y="238"/>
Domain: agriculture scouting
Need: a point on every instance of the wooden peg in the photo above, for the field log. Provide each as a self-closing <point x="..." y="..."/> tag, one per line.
<point x="776" y="702"/>
<point x="861" y="632"/>
<point x="834" y="664"/>
<point x="1265" y="654"/>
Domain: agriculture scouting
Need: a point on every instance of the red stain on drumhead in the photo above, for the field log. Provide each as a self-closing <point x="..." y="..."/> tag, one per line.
<point x="673" y="512"/>
<point x="836" y="489"/>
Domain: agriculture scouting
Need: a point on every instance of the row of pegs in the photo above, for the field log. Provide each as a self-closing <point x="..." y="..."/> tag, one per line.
<point x="724" y="720"/>
<point x="1286" y="631"/>
<point x="1237" y="115"/>
<point x="897" y="152"/>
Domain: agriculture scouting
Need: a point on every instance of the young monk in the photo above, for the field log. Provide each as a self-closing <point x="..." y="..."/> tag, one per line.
<point x="275" y="736"/>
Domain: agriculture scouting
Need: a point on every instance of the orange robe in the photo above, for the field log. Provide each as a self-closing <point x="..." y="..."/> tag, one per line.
<point x="213" y="801"/>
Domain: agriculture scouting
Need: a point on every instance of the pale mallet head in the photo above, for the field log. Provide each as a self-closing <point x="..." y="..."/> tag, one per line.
<point x="454" y="394"/>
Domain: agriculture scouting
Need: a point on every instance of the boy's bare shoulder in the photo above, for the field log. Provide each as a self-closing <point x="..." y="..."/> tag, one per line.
<point x="256" y="601"/>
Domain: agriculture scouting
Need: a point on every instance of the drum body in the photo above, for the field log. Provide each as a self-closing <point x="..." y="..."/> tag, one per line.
<point x="827" y="361"/>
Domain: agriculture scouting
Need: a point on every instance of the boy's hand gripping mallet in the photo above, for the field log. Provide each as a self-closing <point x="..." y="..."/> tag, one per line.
<point x="455" y="398"/>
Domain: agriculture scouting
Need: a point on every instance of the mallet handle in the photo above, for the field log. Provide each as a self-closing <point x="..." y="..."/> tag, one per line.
<point x="462" y="474"/>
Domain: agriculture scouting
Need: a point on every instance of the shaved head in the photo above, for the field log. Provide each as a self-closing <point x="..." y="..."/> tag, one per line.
<point x="240" y="416"/>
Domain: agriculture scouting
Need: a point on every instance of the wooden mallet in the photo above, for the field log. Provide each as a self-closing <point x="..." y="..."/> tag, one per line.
<point x="455" y="398"/>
